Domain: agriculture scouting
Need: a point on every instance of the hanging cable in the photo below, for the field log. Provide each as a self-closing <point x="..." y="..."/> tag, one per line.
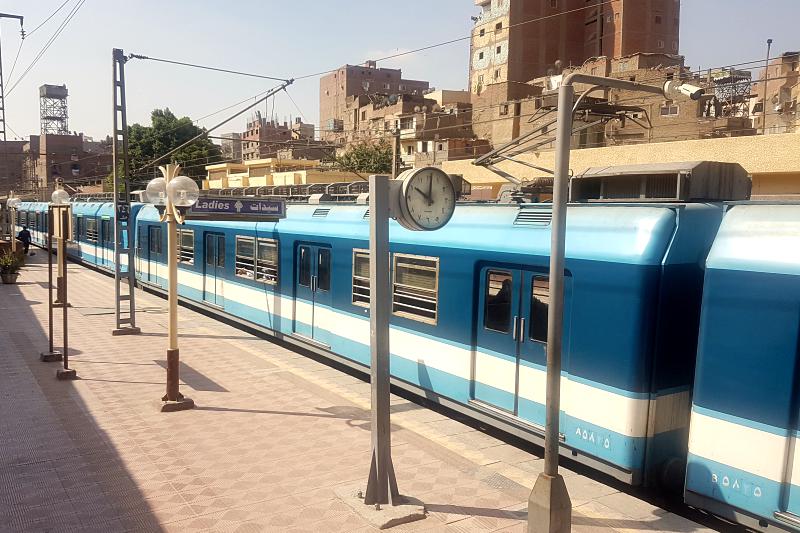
<point x="206" y="67"/>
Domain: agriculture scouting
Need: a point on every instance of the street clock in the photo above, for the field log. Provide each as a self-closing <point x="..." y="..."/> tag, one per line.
<point x="427" y="199"/>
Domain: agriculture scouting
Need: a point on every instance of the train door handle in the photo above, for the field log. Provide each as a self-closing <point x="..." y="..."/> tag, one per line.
<point x="522" y="330"/>
<point x="313" y="283"/>
<point x="514" y="329"/>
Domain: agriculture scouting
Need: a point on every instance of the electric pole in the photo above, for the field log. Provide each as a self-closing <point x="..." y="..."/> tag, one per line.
<point x="2" y="81"/>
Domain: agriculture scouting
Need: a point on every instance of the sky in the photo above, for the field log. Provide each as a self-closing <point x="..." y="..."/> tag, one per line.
<point x="289" y="39"/>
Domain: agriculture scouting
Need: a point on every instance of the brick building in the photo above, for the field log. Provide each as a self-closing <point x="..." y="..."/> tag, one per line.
<point x="12" y="159"/>
<point x="343" y="92"/>
<point x="70" y="158"/>
<point x="519" y="40"/>
<point x="263" y="138"/>
<point x="231" y="146"/>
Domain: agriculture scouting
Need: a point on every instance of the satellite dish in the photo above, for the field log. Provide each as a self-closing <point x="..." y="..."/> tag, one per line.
<point x="424" y="109"/>
<point x="437" y="108"/>
<point x="416" y="109"/>
<point x="393" y="99"/>
<point x="557" y="64"/>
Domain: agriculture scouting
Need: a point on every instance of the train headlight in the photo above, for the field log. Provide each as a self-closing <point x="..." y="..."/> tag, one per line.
<point x="183" y="192"/>
<point x="156" y="191"/>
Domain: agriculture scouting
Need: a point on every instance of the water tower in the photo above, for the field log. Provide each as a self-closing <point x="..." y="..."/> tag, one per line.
<point x="53" y="109"/>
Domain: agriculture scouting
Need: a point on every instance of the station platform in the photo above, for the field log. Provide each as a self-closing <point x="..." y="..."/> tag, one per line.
<point x="273" y="435"/>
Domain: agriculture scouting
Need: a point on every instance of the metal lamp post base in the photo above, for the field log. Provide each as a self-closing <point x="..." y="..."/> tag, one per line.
<point x="65" y="374"/>
<point x="549" y="506"/>
<point x="404" y="510"/>
<point x="181" y="404"/>
<point x="50" y="357"/>
<point x="126" y="331"/>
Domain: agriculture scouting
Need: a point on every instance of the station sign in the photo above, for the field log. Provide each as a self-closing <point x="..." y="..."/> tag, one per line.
<point x="222" y="208"/>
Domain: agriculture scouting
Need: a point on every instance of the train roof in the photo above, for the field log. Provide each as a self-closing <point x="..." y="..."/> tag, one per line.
<point x="758" y="237"/>
<point x="637" y="234"/>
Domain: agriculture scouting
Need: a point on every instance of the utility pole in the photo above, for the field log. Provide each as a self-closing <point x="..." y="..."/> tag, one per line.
<point x="395" y="152"/>
<point x="124" y="277"/>
<point x="2" y="81"/>
<point x="764" y="100"/>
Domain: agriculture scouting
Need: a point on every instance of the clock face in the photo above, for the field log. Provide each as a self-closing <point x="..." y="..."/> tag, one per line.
<point x="429" y="198"/>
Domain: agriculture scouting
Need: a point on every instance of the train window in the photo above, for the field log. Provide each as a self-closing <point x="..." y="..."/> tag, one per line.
<point x="361" y="277"/>
<point x="324" y="270"/>
<point x="540" y="301"/>
<point x="74" y="232"/>
<point x="267" y="261"/>
<point x="497" y="316"/>
<point x="155" y="239"/>
<point x="245" y="257"/>
<point x="91" y="229"/>
<point x="415" y="291"/>
<point x="305" y="267"/>
<point x="186" y="246"/>
<point x="108" y="237"/>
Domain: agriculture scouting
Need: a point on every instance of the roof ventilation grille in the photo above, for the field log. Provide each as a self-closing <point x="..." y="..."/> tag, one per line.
<point x="534" y="217"/>
<point x="321" y="212"/>
<point x="366" y="214"/>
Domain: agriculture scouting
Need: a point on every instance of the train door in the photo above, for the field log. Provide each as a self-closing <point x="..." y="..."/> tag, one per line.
<point x="312" y="292"/>
<point x="214" y="269"/>
<point x="511" y="349"/>
<point x="107" y="238"/>
<point x="154" y="251"/>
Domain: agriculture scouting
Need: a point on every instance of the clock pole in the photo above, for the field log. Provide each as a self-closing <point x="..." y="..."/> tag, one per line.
<point x="381" y="484"/>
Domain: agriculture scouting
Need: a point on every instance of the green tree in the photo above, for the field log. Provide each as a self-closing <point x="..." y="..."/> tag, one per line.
<point x="369" y="158"/>
<point x="166" y="132"/>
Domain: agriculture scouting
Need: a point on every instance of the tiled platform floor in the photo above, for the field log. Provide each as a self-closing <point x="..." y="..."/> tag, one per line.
<point x="272" y="435"/>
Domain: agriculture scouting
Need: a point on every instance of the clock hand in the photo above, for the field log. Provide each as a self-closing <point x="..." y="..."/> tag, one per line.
<point x="430" y="191"/>
<point x="423" y="194"/>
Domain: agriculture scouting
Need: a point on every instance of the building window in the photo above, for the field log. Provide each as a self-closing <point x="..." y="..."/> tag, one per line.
<point x="499" y="49"/>
<point x="480" y="55"/>
<point x="361" y="278"/>
<point x="482" y="32"/>
<point x="669" y="109"/>
<point x="401" y="87"/>
<point x="504" y="109"/>
<point x="409" y="150"/>
<point x="415" y="291"/>
<point x="658" y="19"/>
<point x="440" y="147"/>
<point x="245" y="257"/>
<point x="387" y="86"/>
<point x="424" y="147"/>
<point x="498" y="26"/>
<point x="540" y="301"/>
<point x="497" y="74"/>
<point x="186" y="246"/>
<point x="659" y="44"/>
<point x="267" y="261"/>
<point x="363" y="115"/>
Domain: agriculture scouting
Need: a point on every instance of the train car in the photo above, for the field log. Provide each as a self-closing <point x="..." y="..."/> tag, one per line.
<point x="33" y="215"/>
<point x="744" y="463"/>
<point x="93" y="233"/>
<point x="469" y="307"/>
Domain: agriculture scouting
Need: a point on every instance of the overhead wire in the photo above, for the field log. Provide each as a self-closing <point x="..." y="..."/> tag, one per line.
<point x="47" y="45"/>
<point x="65" y="2"/>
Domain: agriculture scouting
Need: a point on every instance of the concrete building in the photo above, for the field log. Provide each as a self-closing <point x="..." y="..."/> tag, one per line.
<point x="263" y="138"/>
<point x="613" y="116"/>
<point x="272" y="171"/>
<point x="340" y="95"/>
<point x="515" y="41"/>
<point x="782" y="90"/>
<point x="231" y="146"/>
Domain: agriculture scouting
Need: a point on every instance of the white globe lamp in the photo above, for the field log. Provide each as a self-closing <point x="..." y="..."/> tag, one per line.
<point x="183" y="192"/>
<point x="156" y="191"/>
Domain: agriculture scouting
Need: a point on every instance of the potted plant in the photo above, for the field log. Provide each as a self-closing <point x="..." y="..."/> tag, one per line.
<point x="9" y="267"/>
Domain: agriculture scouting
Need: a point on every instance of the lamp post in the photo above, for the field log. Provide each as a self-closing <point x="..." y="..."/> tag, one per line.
<point x="173" y="195"/>
<point x="11" y="205"/>
<point x="58" y="200"/>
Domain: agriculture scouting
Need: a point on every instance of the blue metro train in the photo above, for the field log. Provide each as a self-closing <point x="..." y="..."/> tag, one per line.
<point x="652" y="288"/>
